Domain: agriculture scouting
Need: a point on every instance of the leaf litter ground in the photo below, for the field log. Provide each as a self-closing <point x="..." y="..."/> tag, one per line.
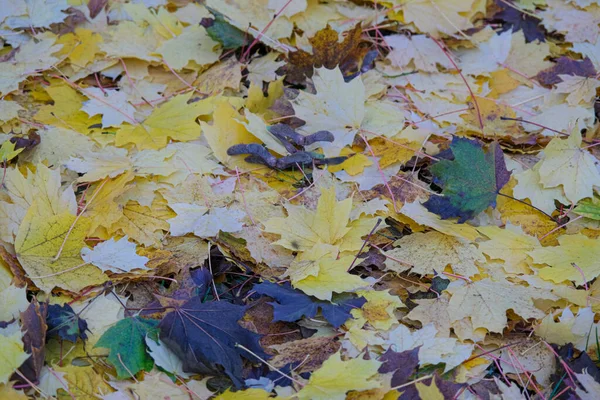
<point x="299" y="199"/>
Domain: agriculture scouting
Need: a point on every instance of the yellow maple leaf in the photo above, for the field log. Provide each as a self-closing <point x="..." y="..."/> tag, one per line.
<point x="332" y="277"/>
<point x="84" y="381"/>
<point x="570" y="328"/>
<point x="532" y="221"/>
<point x="10" y="110"/>
<point x="32" y="55"/>
<point x="159" y="386"/>
<point x="486" y="303"/>
<point x="12" y="354"/>
<point x="258" y="103"/>
<point x="337" y="107"/>
<point x="51" y="149"/>
<point x="248" y="394"/>
<point x="80" y="47"/>
<point x="129" y="40"/>
<point x="104" y="210"/>
<point x="502" y="81"/>
<point x="433" y="311"/>
<point x="379" y="309"/>
<point x="329" y="224"/>
<point x="14" y="301"/>
<point x="336" y="377"/>
<point x="510" y="244"/>
<point x="21" y="189"/>
<point x="176" y="52"/>
<point x="438" y="16"/>
<point x="398" y="149"/>
<point x="430" y="392"/>
<point x="421" y="216"/>
<point x="530" y="187"/>
<point x="382" y="118"/>
<point x="492" y="114"/>
<point x="49" y="246"/>
<point x="426" y="252"/>
<point x="573" y="249"/>
<point x="8" y="152"/>
<point x="354" y="164"/>
<point x="144" y="224"/>
<point x="66" y="111"/>
<point x="580" y="89"/>
<point x="307" y="263"/>
<point x="164" y="23"/>
<point x="8" y="392"/>
<point x="219" y="77"/>
<point x="565" y="163"/>
<point x="225" y="131"/>
<point x="175" y="119"/>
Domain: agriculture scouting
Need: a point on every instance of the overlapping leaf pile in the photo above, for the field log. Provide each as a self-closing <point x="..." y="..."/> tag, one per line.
<point x="252" y="199"/>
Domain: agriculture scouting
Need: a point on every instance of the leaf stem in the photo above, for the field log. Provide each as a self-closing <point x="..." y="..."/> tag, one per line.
<point x="364" y="243"/>
<point x="412" y="382"/>
<point x="269" y="365"/>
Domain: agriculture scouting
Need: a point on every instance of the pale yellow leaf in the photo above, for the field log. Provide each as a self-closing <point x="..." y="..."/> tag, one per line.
<point x="565" y="163"/>
<point x="486" y="302"/>
<point x="329" y="224"/>
<point x="574" y="249"/>
<point x="332" y="277"/>
<point x="12" y="354"/>
<point x="420" y="215"/>
<point x="48" y="247"/>
<point x="428" y="253"/>
<point x="336" y="377"/>
<point x="337" y="107"/>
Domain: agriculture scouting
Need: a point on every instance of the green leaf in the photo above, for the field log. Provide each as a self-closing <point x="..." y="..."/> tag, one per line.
<point x="126" y="342"/>
<point x="471" y="181"/>
<point x="223" y="32"/>
<point x="589" y="208"/>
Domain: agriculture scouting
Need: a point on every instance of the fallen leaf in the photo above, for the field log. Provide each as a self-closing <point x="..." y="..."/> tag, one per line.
<point x="292" y="304"/>
<point x="165" y="358"/>
<point x="471" y="181"/>
<point x="401" y="364"/>
<point x="12" y="354"/>
<point x="327" y="51"/>
<point x="65" y="323"/>
<point x="48" y="247"/>
<point x="329" y="224"/>
<point x="127" y="347"/>
<point x="338" y="107"/>
<point x="573" y="249"/>
<point x="190" y="332"/>
<point x="486" y="303"/>
<point x="428" y="253"/>
<point x="115" y="256"/>
<point x="154" y="131"/>
<point x="570" y="166"/>
<point x="336" y="377"/>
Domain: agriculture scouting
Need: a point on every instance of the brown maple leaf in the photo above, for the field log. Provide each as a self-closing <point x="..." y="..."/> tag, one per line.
<point x="328" y="52"/>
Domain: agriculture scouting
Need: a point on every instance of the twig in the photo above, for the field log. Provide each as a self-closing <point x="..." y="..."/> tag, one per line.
<point x="385" y="182"/>
<point x="269" y="365"/>
<point x="527" y="204"/>
<point x="260" y="35"/>
<point x="411" y="382"/>
<point x="62" y="246"/>
<point x="364" y="244"/>
<point x="442" y="46"/>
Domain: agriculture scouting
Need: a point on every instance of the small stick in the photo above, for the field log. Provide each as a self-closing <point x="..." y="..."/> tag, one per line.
<point x="364" y="244"/>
